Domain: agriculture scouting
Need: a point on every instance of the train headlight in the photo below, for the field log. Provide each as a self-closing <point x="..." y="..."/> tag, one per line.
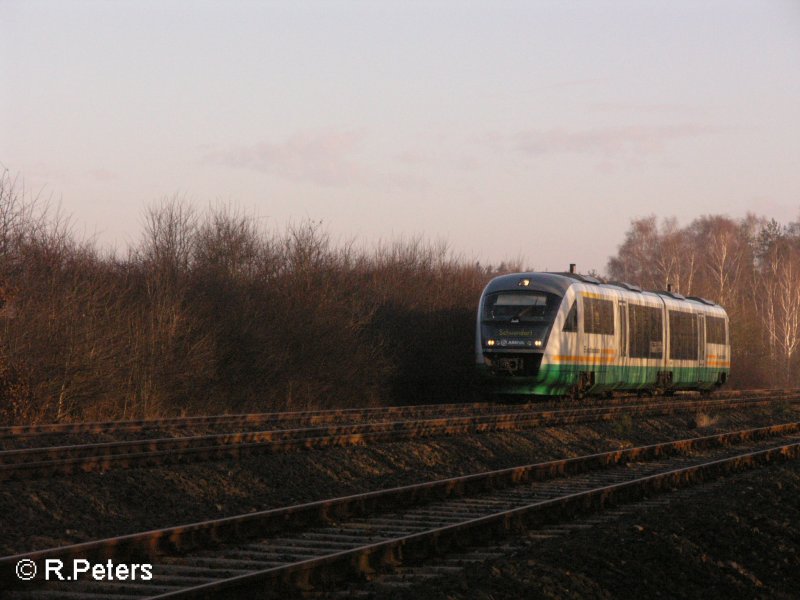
<point x="490" y="342"/>
<point x="538" y="343"/>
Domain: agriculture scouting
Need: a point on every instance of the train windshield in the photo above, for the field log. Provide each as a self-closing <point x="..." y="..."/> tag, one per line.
<point x="521" y="307"/>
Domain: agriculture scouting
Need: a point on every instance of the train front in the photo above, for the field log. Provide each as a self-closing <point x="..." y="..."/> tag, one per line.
<point x="515" y="316"/>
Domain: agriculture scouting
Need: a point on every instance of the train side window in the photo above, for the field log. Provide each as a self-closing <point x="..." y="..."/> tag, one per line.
<point x="715" y="330"/>
<point x="646" y="337"/>
<point x="571" y="323"/>
<point x="682" y="335"/>
<point x="598" y="316"/>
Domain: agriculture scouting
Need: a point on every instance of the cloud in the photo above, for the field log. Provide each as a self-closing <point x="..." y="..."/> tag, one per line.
<point x="415" y="159"/>
<point x="102" y="174"/>
<point x="649" y="107"/>
<point x="622" y="140"/>
<point x="322" y="158"/>
<point x="570" y="83"/>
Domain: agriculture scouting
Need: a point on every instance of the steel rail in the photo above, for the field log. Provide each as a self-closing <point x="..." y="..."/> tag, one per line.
<point x="65" y="460"/>
<point x="416" y="547"/>
<point x="318" y="417"/>
<point x="179" y="442"/>
<point x="309" y="416"/>
<point x="183" y="539"/>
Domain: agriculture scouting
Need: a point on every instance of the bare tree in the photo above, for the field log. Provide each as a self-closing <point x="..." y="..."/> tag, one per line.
<point x="675" y="257"/>
<point x="634" y="261"/>
<point x="780" y="303"/>
<point x="723" y="259"/>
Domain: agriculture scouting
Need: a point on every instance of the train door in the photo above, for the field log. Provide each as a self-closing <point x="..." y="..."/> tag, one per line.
<point x="701" y="340"/>
<point x="596" y="365"/>
<point x="622" y="351"/>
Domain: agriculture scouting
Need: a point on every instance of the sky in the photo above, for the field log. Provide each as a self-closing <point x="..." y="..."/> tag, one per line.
<point x="533" y="131"/>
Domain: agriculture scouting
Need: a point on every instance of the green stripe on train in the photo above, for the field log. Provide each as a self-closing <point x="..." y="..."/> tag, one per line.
<point x="554" y="379"/>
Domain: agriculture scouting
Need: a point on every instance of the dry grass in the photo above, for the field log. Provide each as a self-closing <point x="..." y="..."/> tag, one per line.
<point x="702" y="420"/>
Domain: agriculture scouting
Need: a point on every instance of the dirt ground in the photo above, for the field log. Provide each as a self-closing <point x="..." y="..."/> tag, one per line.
<point x="711" y="540"/>
<point x="738" y="537"/>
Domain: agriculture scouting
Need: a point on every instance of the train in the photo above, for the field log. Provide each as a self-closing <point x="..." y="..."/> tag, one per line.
<point x="568" y="334"/>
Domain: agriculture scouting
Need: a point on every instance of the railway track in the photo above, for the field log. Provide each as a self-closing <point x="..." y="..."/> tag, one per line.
<point x="51" y="461"/>
<point x="300" y="548"/>
<point x="323" y="417"/>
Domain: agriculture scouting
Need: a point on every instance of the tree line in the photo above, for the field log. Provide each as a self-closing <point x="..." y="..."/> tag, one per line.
<point x="750" y="266"/>
<point x="210" y="311"/>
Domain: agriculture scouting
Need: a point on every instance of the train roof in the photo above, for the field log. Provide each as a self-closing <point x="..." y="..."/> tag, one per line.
<point x="559" y="283"/>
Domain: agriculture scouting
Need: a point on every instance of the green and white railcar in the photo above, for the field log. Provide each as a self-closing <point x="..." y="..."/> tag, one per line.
<point x="570" y="334"/>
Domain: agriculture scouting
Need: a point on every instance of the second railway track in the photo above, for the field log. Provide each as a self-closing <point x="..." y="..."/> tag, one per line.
<point x="312" y="418"/>
<point x="296" y="548"/>
<point x="49" y="461"/>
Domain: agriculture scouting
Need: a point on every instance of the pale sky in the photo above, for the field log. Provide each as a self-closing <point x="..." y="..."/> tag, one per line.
<point x="530" y="130"/>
